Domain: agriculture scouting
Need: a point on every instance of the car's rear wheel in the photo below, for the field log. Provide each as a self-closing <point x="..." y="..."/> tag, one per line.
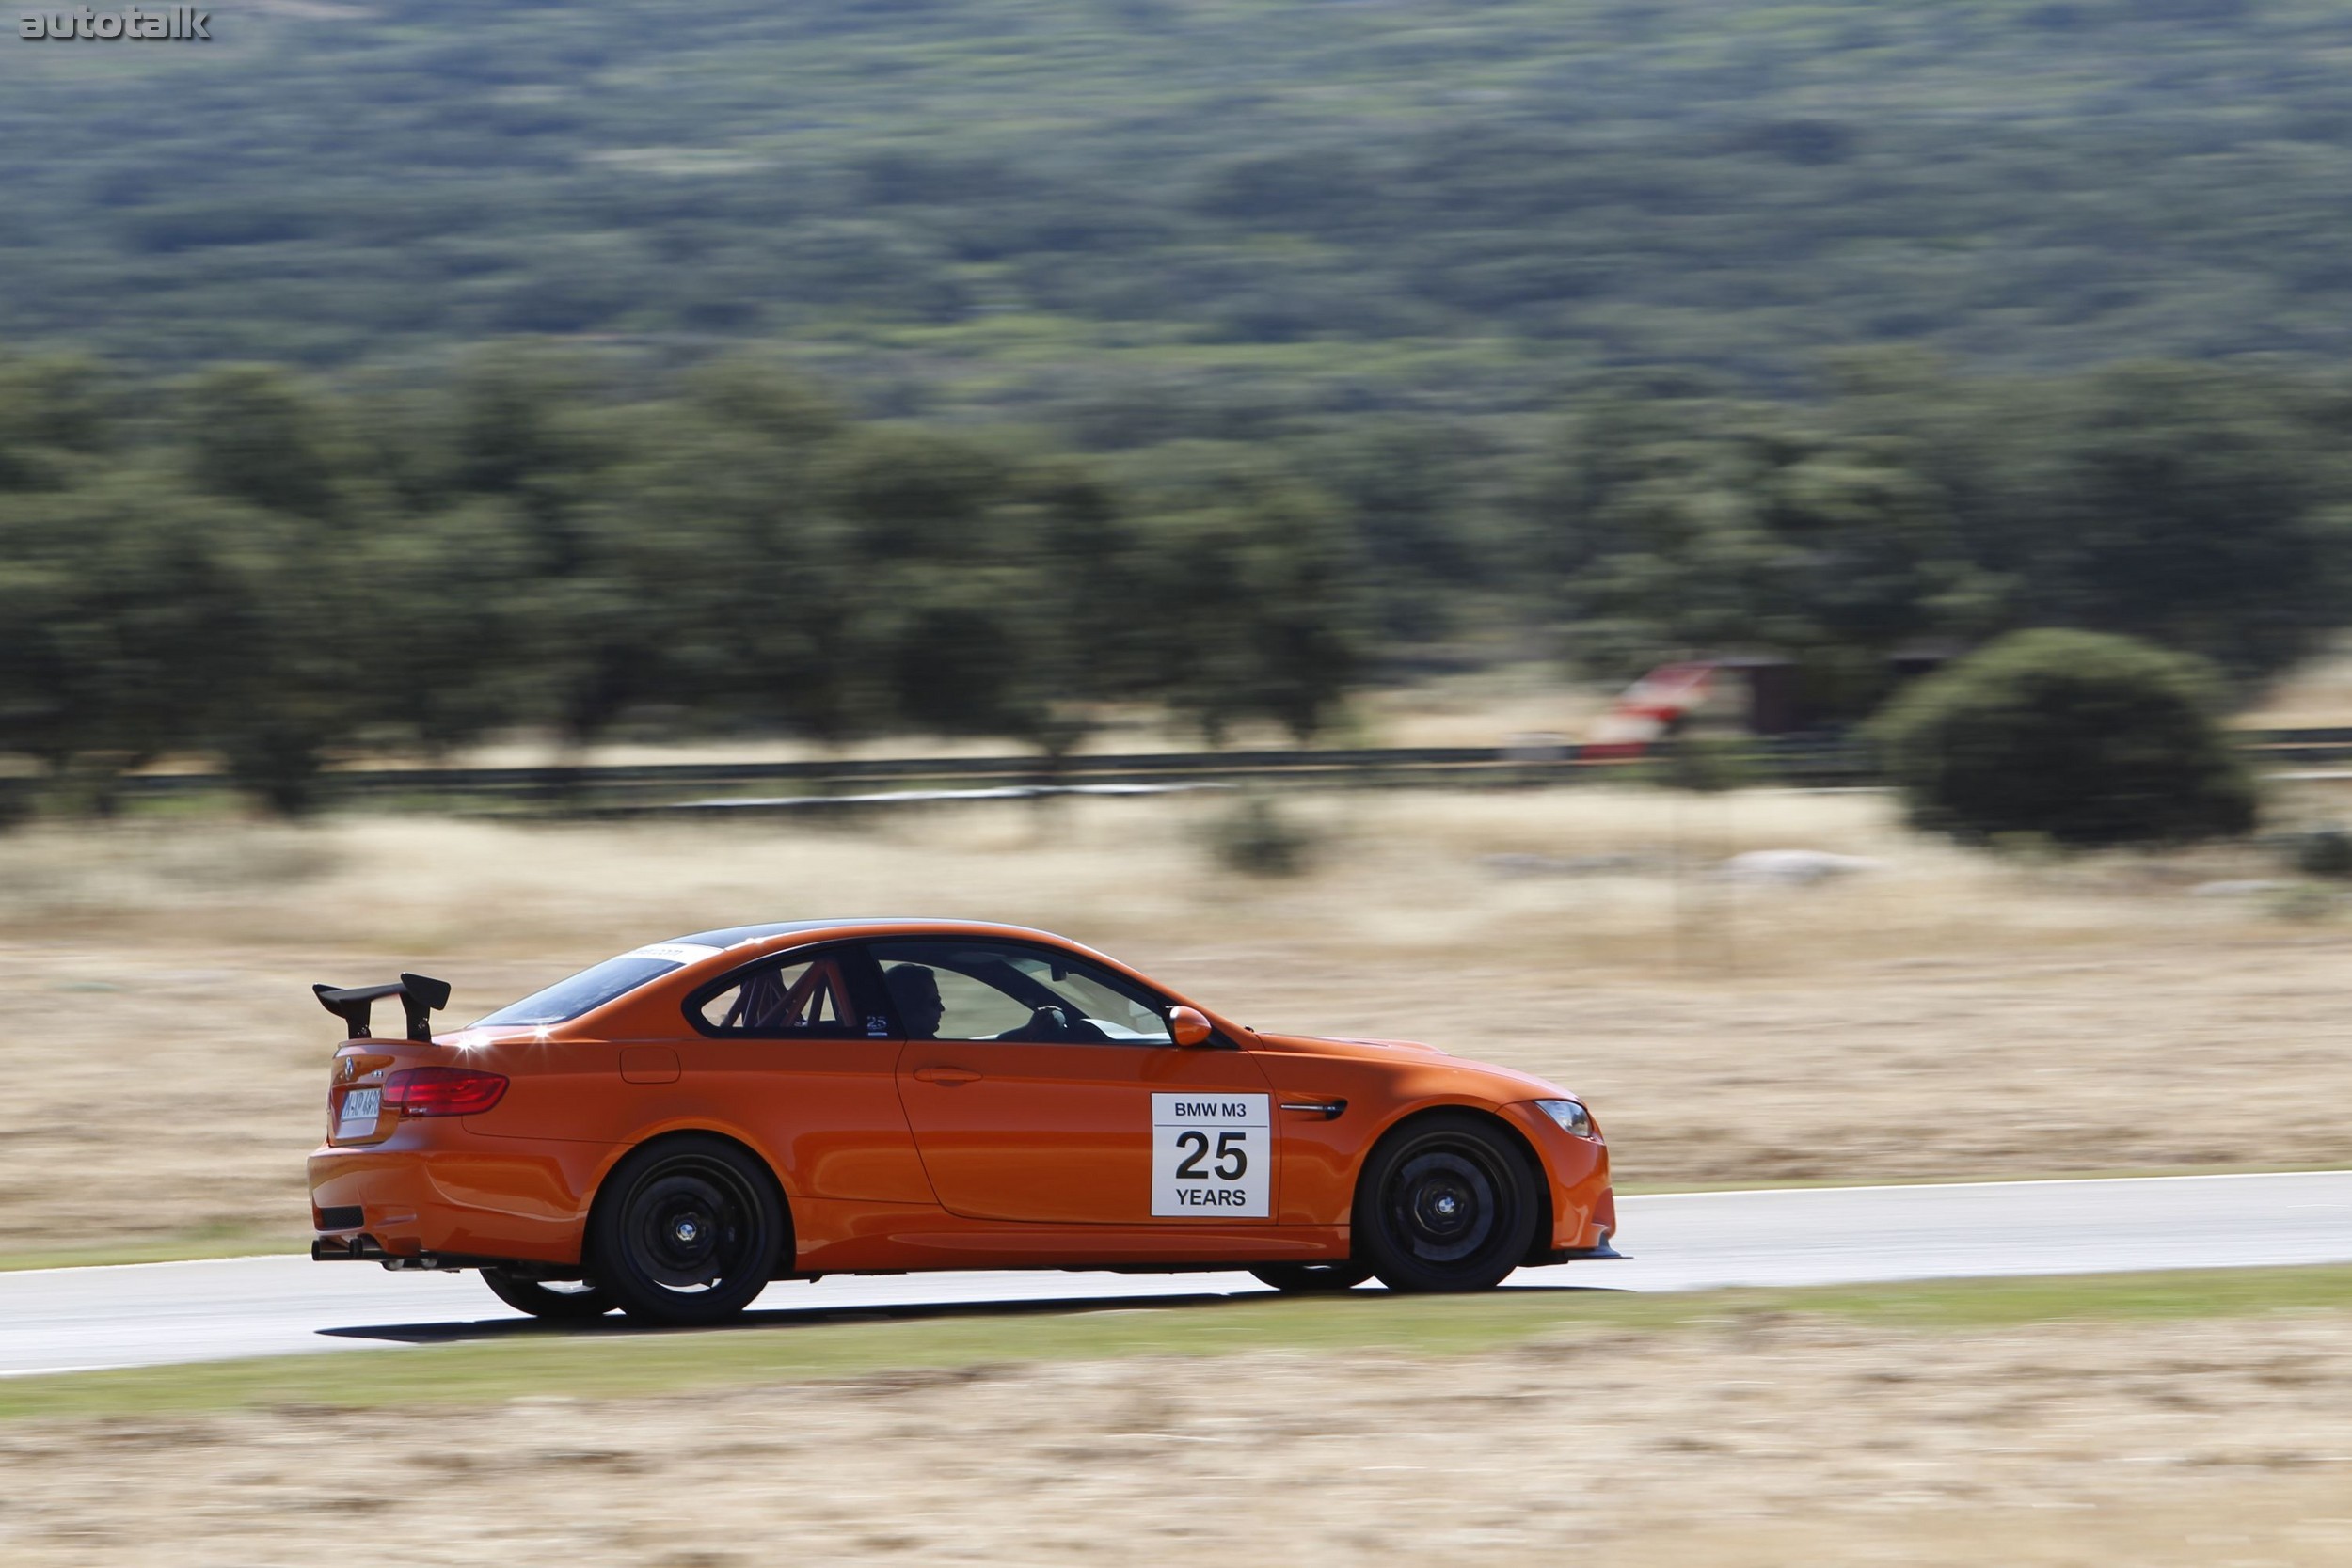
<point x="558" y="1301"/>
<point x="1314" y="1279"/>
<point x="1446" y="1203"/>
<point x="688" y="1231"/>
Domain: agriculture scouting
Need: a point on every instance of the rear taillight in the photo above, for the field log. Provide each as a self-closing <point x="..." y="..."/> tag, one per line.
<point x="442" y="1091"/>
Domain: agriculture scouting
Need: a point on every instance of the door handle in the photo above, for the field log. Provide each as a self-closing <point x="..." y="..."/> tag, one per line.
<point x="951" y="1076"/>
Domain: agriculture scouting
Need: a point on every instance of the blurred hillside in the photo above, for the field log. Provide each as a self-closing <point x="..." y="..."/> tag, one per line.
<point x="1146" y="220"/>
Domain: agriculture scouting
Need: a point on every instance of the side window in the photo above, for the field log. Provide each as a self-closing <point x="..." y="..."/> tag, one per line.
<point x="809" y="1000"/>
<point x="954" y="990"/>
<point x="1103" y="1000"/>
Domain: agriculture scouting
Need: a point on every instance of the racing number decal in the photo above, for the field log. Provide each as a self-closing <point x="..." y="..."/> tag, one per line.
<point x="1212" y="1156"/>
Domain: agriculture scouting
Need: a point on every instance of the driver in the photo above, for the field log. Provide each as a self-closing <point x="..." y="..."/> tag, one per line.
<point x="915" y="993"/>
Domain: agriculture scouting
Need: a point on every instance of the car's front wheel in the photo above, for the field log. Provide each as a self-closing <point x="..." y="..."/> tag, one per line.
<point x="557" y="1301"/>
<point x="1446" y="1203"/>
<point x="688" y="1231"/>
<point x="1313" y="1279"/>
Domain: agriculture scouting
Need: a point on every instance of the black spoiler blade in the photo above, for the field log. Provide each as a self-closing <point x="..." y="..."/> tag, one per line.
<point x="420" y="996"/>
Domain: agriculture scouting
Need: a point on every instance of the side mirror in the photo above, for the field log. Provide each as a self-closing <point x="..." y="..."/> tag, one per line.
<point x="1190" y="1026"/>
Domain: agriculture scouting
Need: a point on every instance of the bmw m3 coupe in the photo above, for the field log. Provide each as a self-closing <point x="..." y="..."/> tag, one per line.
<point x="670" y="1129"/>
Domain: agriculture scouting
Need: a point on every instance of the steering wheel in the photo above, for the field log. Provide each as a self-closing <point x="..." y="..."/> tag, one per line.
<point x="1056" y="1023"/>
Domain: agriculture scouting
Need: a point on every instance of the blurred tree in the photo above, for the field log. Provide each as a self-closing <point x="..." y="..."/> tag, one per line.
<point x="1421" y="501"/>
<point x="296" y="631"/>
<point x="1058" y="616"/>
<point x="116" y="647"/>
<point x="915" y="499"/>
<point x="750" y="395"/>
<point x="1711" y="531"/>
<point x="1261" y="603"/>
<point x="258" y="567"/>
<point x="592" y="599"/>
<point x="2203" y="508"/>
<point x="56" y="419"/>
<point x="720" y="582"/>
<point x="531" y="425"/>
<point x="2199" y="507"/>
<point x="2090" y="739"/>
<point x="255" y="434"/>
<point x="939" y="583"/>
<point x="443" y="652"/>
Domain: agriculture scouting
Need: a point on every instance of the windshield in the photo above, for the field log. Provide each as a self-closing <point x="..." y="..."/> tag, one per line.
<point x="567" y="1000"/>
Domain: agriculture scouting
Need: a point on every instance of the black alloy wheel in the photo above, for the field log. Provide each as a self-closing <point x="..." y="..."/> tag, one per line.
<point x="1447" y="1202"/>
<point x="556" y="1300"/>
<point x="688" y="1231"/>
<point x="1314" y="1279"/>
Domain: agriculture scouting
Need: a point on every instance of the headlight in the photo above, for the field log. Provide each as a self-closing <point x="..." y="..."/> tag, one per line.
<point x="1571" y="1116"/>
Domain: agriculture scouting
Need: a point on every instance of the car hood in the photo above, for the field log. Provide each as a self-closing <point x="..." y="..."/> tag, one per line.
<point x="1342" y="1045"/>
<point x="1505" y="1084"/>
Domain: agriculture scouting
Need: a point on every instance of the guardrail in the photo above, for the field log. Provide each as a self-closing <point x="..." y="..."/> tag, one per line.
<point x="1809" y="759"/>
<point x="1814" y="761"/>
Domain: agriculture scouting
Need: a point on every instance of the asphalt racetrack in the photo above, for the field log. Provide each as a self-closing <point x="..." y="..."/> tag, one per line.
<point x="61" y="1320"/>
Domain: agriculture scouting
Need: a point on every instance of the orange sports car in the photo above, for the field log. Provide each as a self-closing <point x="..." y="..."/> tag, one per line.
<point x="670" y="1131"/>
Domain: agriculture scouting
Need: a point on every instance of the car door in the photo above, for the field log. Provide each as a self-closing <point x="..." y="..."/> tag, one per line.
<point x="795" y="1048"/>
<point x="1043" y="1089"/>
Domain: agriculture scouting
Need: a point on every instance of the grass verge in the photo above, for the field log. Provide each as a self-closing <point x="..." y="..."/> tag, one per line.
<point x="610" y="1359"/>
<point x="161" y="1249"/>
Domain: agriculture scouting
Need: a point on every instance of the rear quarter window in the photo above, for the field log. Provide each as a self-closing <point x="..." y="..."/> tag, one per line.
<point x="590" y="989"/>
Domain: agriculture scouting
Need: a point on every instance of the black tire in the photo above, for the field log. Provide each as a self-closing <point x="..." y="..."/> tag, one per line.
<point x="565" y="1301"/>
<point x="1314" y="1279"/>
<point x="686" y="1231"/>
<point x="1446" y="1203"/>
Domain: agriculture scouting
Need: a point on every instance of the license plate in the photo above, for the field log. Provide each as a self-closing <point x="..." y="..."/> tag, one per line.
<point x="360" y="1109"/>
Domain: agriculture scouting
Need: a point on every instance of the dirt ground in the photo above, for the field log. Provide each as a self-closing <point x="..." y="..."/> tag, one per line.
<point x="1932" y="1014"/>
<point x="1765" y="1440"/>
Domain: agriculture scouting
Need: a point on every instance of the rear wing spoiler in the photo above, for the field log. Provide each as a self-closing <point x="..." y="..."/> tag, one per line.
<point x="419" y="997"/>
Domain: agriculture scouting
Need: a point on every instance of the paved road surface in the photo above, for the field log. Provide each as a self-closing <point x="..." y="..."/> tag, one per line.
<point x="54" y="1319"/>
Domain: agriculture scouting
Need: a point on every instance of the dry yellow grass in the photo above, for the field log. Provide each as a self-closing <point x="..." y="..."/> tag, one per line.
<point x="1400" y="871"/>
<point x="1764" y="1442"/>
<point x="2313" y="695"/>
<point x="161" y="1062"/>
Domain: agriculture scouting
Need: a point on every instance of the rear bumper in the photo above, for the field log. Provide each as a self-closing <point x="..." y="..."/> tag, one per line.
<point x="441" y="1194"/>
<point x="364" y="1248"/>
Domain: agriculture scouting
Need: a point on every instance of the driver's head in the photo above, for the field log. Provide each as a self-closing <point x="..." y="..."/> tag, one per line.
<point x="914" y="994"/>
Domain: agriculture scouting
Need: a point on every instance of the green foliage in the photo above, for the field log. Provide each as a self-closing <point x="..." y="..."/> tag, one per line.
<point x="115" y="617"/>
<point x="2209" y="511"/>
<point x="1311" y="286"/>
<point x="2200" y="507"/>
<point x="2089" y="739"/>
<point x="256" y="435"/>
<point x="1694" y="528"/>
<point x="530" y="546"/>
<point x="1257" y="597"/>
